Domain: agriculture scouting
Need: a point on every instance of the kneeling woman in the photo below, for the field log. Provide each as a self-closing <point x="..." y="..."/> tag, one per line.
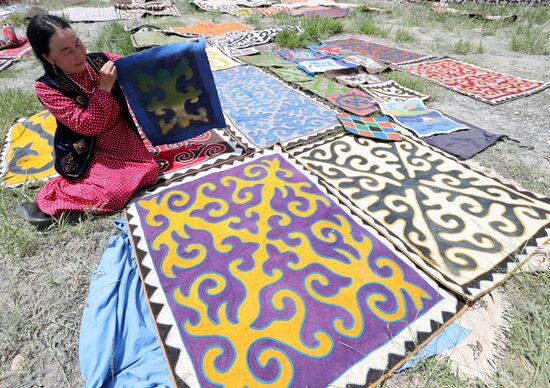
<point x="99" y="154"/>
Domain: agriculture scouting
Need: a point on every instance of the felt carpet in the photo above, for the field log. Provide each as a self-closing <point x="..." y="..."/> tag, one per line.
<point x="171" y="91"/>
<point x="330" y="49"/>
<point x="326" y="12"/>
<point x="391" y="91"/>
<point x="208" y="149"/>
<point x="297" y="55"/>
<point x="466" y="143"/>
<point x="372" y="66"/>
<point x="413" y="115"/>
<point x="215" y="5"/>
<point x="322" y="65"/>
<point x="5" y="63"/>
<point x="212" y="29"/>
<point x="255" y="275"/>
<point x="290" y="73"/>
<point x="323" y="87"/>
<point x="355" y="101"/>
<point x="17" y="52"/>
<point x="463" y="226"/>
<point x="145" y="38"/>
<point x="267" y="111"/>
<point x="87" y="14"/>
<point x="379" y="51"/>
<point x="151" y="8"/>
<point x="218" y="60"/>
<point x="354" y="77"/>
<point x="264" y="60"/>
<point x="243" y="39"/>
<point x="484" y="85"/>
<point x="374" y="127"/>
<point x="27" y="153"/>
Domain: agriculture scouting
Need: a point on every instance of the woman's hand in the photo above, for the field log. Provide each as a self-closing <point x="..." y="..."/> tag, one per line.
<point x="107" y="76"/>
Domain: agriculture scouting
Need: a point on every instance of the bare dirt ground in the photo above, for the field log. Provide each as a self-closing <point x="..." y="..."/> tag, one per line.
<point x="44" y="275"/>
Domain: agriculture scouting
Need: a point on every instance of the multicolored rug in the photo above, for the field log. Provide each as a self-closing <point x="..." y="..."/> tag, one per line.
<point x="27" y="153"/>
<point x="355" y="101"/>
<point x="255" y="275"/>
<point x="322" y="65"/>
<point x="218" y="60"/>
<point x="484" y="85"/>
<point x="329" y="49"/>
<point x="171" y="91"/>
<point x="212" y="29"/>
<point x="391" y="91"/>
<point x="17" y="52"/>
<point x="297" y="55"/>
<point x="179" y="159"/>
<point x="379" y="51"/>
<point x="413" y="115"/>
<point x="266" y="111"/>
<point x="463" y="227"/>
<point x="374" y="127"/>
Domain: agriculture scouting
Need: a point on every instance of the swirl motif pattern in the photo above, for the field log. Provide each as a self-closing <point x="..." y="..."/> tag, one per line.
<point x="268" y="280"/>
<point x="218" y="60"/>
<point x="462" y="224"/>
<point x="391" y="91"/>
<point x="172" y="158"/>
<point x="266" y="111"/>
<point x="28" y="151"/>
<point x="484" y="85"/>
<point x="378" y="51"/>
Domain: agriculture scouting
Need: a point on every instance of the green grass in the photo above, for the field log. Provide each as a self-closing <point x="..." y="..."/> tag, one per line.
<point x="113" y="38"/>
<point x="528" y="360"/>
<point x="371" y="28"/>
<point x="466" y="47"/>
<point x="530" y="39"/>
<point x="403" y="34"/>
<point x="315" y="29"/>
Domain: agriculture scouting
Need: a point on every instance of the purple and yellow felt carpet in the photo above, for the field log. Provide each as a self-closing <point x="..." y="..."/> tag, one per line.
<point x="256" y="275"/>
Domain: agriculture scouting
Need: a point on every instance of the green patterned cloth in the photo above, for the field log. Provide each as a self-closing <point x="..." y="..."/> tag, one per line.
<point x="151" y="38"/>
<point x="263" y="60"/>
<point x="290" y="73"/>
<point x="323" y="87"/>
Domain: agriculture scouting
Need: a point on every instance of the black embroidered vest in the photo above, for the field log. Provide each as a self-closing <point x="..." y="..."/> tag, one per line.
<point x="73" y="151"/>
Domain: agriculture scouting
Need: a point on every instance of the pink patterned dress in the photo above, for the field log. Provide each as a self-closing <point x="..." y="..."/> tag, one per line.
<point x="120" y="165"/>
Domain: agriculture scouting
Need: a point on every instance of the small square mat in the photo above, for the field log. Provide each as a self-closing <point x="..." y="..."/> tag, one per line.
<point x="374" y="127"/>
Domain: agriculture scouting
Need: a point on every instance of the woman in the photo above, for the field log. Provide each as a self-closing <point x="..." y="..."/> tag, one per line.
<point x="99" y="154"/>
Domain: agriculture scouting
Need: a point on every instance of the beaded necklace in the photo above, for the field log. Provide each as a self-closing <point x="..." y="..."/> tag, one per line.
<point x="82" y="87"/>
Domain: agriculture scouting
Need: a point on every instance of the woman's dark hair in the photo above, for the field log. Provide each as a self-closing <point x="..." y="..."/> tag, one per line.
<point x="39" y="30"/>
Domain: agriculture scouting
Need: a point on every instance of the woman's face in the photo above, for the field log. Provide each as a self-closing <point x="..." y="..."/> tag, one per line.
<point x="67" y="52"/>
